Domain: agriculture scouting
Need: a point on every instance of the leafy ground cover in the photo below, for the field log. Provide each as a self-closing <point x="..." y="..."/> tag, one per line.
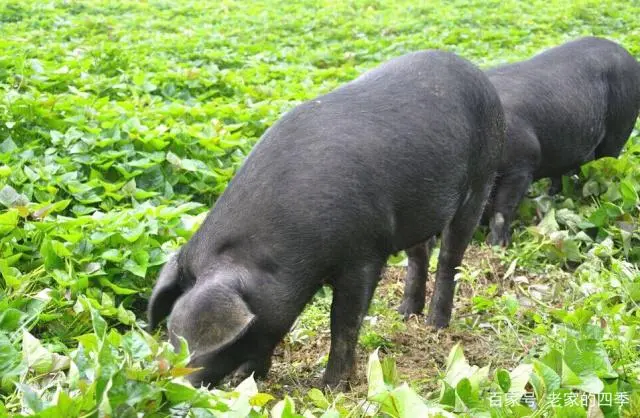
<point x="122" y="121"/>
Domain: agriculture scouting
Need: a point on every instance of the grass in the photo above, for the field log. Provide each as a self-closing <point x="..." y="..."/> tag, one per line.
<point x="122" y="121"/>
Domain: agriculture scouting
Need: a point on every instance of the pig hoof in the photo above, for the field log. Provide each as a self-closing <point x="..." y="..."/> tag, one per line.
<point x="337" y="380"/>
<point x="237" y="378"/>
<point x="234" y="380"/>
<point x="554" y="190"/>
<point x="335" y="385"/>
<point x="406" y="309"/>
<point x="437" y="321"/>
<point x="499" y="240"/>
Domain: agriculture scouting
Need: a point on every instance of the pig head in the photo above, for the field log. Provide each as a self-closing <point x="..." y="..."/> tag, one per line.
<point x="212" y="315"/>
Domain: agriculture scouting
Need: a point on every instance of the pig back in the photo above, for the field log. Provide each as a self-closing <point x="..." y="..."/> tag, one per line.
<point x="372" y="167"/>
<point x="568" y="96"/>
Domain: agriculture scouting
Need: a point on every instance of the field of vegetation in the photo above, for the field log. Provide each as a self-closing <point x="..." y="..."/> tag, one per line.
<point x="122" y="121"/>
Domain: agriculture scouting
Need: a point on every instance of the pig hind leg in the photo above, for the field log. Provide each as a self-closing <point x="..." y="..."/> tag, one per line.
<point x="415" y="282"/>
<point x="455" y="239"/>
<point x="618" y="131"/>
<point x="352" y="293"/>
<point x="511" y="188"/>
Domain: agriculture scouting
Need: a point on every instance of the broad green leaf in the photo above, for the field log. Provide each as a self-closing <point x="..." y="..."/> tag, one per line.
<point x="11" y="365"/>
<point x="628" y="192"/>
<point x="318" y="398"/>
<point x="8" y="196"/>
<point x="519" y="378"/>
<point x="375" y="378"/>
<point x="550" y="379"/>
<point x="457" y="366"/>
<point x="408" y="404"/>
<point x="247" y="387"/>
<point x="548" y="223"/>
<point x="10" y="319"/>
<point x="99" y="324"/>
<point x="118" y="290"/>
<point x="503" y="379"/>
<point x="261" y="399"/>
<point x="553" y="359"/>
<point x="389" y="371"/>
<point x="466" y="399"/>
<point x="38" y="358"/>
<point x="284" y="409"/>
<point x="30" y="398"/>
<point x="8" y="221"/>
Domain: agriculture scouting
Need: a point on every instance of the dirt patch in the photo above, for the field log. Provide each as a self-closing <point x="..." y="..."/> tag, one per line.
<point x="420" y="351"/>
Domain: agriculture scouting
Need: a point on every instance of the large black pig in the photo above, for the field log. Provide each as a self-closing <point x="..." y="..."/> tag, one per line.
<point x="404" y="152"/>
<point x="564" y="107"/>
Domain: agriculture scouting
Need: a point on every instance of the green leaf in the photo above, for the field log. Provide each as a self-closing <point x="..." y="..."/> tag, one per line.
<point x="99" y="324"/>
<point x="519" y="378"/>
<point x="285" y="409"/>
<point x="389" y="371"/>
<point x="408" y="404"/>
<point x="51" y="259"/>
<point x="260" y="399"/>
<point x="10" y="319"/>
<point x="118" y="290"/>
<point x="8" y="146"/>
<point x="318" y="398"/>
<point x="11" y="366"/>
<point x="548" y="376"/>
<point x="176" y="392"/>
<point x="377" y="390"/>
<point x="31" y="399"/>
<point x="457" y="367"/>
<point x="503" y="379"/>
<point x="133" y="234"/>
<point x="8" y="221"/>
<point x="466" y="399"/>
<point x="38" y="358"/>
<point x="329" y="413"/>
<point x="548" y="223"/>
<point x="112" y="255"/>
<point x="247" y="387"/>
<point x="8" y="196"/>
<point x="628" y="192"/>
<point x="447" y="394"/>
<point x="553" y="359"/>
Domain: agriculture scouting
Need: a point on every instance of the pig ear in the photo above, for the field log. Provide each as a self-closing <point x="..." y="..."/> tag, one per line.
<point x="165" y="293"/>
<point x="210" y="317"/>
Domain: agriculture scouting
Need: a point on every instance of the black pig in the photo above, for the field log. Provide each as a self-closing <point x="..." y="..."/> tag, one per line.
<point x="564" y="107"/>
<point x="404" y="152"/>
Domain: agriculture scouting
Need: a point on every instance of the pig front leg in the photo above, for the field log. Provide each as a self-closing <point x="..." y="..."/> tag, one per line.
<point x="415" y="282"/>
<point x="510" y="189"/>
<point x="352" y="293"/>
<point x="556" y="186"/>
<point x="258" y="365"/>
<point x="556" y="182"/>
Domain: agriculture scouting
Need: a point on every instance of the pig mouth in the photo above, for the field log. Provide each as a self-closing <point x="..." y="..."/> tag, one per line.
<point x="239" y="374"/>
<point x="236" y="377"/>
